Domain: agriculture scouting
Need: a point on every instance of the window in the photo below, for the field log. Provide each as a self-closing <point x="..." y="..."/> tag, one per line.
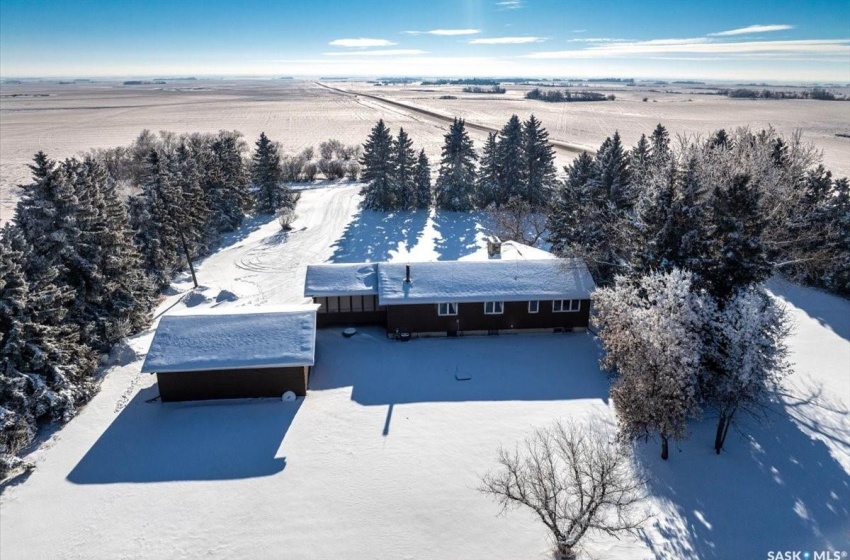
<point x="357" y="303"/>
<point x="369" y="303"/>
<point x="344" y="304"/>
<point x="446" y="309"/>
<point x="333" y="305"/>
<point x="566" y="305"/>
<point x="533" y="306"/>
<point x="494" y="307"/>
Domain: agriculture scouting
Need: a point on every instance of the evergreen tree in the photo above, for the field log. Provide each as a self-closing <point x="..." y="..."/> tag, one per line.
<point x="612" y="163"/>
<point x="404" y="171"/>
<point x="422" y="182"/>
<point x="660" y="144"/>
<point x="487" y="184"/>
<point x="510" y="161"/>
<point x="196" y="210"/>
<point x="567" y="222"/>
<point x="539" y="157"/>
<point x="265" y="175"/>
<point x="45" y="369"/>
<point x="640" y="158"/>
<point x="737" y="256"/>
<point x="378" y="169"/>
<point x="156" y="220"/>
<point x="226" y="182"/>
<point x="455" y="188"/>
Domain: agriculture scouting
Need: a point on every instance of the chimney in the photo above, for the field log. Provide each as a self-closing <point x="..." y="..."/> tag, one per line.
<point x="407" y="273"/>
<point x="494" y="247"/>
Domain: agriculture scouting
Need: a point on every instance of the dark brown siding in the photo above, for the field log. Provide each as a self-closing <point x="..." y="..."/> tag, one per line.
<point x="349" y="310"/>
<point x="471" y="317"/>
<point x="232" y="383"/>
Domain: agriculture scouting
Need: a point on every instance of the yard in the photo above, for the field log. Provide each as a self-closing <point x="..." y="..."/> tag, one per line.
<point x="382" y="458"/>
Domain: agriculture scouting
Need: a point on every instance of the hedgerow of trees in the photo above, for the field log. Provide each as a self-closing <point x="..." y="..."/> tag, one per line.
<point x="82" y="262"/>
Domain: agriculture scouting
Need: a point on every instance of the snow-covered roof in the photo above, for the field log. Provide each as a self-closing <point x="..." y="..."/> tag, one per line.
<point x="233" y="338"/>
<point x="511" y="251"/>
<point x="355" y="279"/>
<point x="491" y="280"/>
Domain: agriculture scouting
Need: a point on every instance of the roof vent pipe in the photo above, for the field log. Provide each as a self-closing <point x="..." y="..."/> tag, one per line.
<point x="407" y="273"/>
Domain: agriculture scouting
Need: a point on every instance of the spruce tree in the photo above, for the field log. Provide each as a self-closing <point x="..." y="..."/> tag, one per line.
<point x="738" y="256"/>
<point x="196" y="209"/>
<point x="539" y="176"/>
<point x="512" y="167"/>
<point x="226" y="182"/>
<point x="378" y="169"/>
<point x="660" y="143"/>
<point x="404" y="171"/>
<point x="422" y="182"/>
<point x="265" y="175"/>
<point x="613" y="165"/>
<point x="487" y="184"/>
<point x="567" y="220"/>
<point x="455" y="188"/>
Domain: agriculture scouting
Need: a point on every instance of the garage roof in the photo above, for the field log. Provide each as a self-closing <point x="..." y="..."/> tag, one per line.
<point x="234" y="338"/>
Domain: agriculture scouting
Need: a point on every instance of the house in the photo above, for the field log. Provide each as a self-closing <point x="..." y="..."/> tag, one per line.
<point x="522" y="289"/>
<point x="226" y="353"/>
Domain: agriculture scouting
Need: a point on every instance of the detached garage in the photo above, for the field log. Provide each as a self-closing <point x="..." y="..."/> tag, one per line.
<point x="233" y="353"/>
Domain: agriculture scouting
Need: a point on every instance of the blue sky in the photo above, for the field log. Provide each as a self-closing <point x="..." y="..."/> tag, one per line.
<point x="745" y="39"/>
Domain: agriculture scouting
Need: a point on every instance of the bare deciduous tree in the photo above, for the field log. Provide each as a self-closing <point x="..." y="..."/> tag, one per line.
<point x="517" y="220"/>
<point x="575" y="479"/>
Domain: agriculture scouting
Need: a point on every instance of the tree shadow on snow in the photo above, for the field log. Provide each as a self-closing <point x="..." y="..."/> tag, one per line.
<point x="159" y="442"/>
<point x="458" y="233"/>
<point x="371" y="236"/>
<point x="381" y="371"/>
<point x="775" y="489"/>
<point x="829" y="310"/>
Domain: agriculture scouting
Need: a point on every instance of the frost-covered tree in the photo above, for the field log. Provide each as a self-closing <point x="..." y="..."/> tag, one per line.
<point x="226" y="182"/>
<point x="45" y="369"/>
<point x="404" y="172"/>
<point x="422" y="182"/>
<point x="745" y="356"/>
<point x="455" y="188"/>
<point x="487" y="183"/>
<point x="539" y="158"/>
<point x="575" y="479"/>
<point x="737" y="255"/>
<point x="510" y="160"/>
<point x="378" y="169"/>
<point x="650" y="329"/>
<point x="612" y="163"/>
<point x="266" y="175"/>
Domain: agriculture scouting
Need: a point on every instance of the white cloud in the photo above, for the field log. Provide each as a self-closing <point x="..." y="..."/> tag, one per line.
<point x="510" y="4"/>
<point x="597" y="40"/>
<point x="361" y="42"/>
<point x="752" y="29"/>
<point x="579" y="31"/>
<point x="703" y="46"/>
<point x="379" y="52"/>
<point x="506" y="40"/>
<point x="445" y="32"/>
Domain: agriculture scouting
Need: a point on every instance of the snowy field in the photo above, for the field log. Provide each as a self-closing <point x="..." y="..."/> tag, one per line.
<point x="382" y="458"/>
<point x="67" y="119"/>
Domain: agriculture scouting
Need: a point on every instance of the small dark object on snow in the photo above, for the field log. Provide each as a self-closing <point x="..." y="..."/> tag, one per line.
<point x="462" y="376"/>
<point x="349" y="332"/>
<point x="404" y="337"/>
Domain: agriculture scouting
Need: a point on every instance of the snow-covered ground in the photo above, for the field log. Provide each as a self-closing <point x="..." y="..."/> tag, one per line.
<point x="382" y="458"/>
